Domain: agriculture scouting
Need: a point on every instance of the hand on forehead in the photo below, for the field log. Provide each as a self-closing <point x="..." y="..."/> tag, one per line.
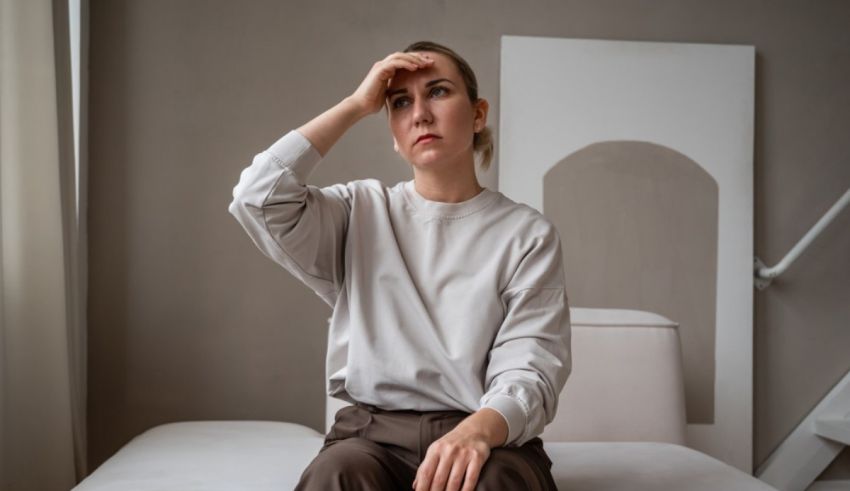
<point x="441" y="68"/>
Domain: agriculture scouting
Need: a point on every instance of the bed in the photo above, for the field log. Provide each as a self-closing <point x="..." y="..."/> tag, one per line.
<point x="620" y="426"/>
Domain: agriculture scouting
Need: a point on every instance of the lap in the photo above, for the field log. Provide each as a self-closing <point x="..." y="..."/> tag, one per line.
<point x="359" y="463"/>
<point x="355" y="463"/>
<point x="357" y="450"/>
<point x="374" y="449"/>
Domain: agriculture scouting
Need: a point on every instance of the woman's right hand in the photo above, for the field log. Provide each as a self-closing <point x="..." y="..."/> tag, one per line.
<point x="324" y="130"/>
<point x="371" y="94"/>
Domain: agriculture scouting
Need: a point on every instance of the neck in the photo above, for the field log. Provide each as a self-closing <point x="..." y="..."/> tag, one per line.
<point x="447" y="184"/>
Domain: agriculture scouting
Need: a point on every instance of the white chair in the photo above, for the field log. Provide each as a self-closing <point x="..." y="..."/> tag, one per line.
<point x="620" y="426"/>
<point x="621" y="418"/>
<point x="627" y="382"/>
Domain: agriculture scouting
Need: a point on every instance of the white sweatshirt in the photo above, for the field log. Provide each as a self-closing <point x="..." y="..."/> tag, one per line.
<point x="436" y="306"/>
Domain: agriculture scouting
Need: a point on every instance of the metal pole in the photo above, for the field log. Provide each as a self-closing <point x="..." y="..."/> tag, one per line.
<point x="765" y="275"/>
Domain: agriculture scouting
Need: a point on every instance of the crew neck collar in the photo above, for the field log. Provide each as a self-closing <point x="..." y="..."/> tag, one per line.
<point x="447" y="210"/>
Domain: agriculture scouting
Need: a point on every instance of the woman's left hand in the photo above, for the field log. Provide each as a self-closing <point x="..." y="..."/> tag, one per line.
<point x="457" y="458"/>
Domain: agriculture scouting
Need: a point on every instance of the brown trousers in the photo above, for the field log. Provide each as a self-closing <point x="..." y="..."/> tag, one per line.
<point x="369" y="448"/>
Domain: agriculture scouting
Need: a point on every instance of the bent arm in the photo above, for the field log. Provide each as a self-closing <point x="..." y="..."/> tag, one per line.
<point x="299" y="226"/>
<point x="325" y="130"/>
<point x="530" y="361"/>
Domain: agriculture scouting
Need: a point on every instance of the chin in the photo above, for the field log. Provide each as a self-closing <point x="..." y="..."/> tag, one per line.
<point x="431" y="159"/>
<point x="426" y="163"/>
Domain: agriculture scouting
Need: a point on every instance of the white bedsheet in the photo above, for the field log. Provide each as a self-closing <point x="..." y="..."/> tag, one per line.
<point x="266" y="456"/>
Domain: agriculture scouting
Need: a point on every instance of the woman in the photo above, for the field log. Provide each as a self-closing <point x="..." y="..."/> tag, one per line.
<point x="450" y="327"/>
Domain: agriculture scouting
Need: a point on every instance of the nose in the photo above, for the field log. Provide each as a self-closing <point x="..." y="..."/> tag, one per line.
<point x="422" y="112"/>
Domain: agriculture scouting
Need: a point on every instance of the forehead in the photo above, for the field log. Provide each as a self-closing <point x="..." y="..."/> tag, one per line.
<point x="443" y="67"/>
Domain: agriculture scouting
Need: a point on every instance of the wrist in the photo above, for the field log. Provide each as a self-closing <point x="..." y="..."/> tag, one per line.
<point x="354" y="108"/>
<point x="489" y="425"/>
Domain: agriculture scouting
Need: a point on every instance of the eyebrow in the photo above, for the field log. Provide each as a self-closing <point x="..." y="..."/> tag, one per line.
<point x="393" y="92"/>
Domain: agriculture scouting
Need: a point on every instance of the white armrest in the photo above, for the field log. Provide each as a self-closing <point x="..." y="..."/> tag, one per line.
<point x="627" y="382"/>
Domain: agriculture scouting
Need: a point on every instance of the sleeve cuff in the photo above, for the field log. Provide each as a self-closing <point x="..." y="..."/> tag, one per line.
<point x="514" y="415"/>
<point x="294" y="152"/>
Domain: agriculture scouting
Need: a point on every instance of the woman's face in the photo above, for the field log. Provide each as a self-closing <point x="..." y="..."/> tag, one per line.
<point x="433" y="100"/>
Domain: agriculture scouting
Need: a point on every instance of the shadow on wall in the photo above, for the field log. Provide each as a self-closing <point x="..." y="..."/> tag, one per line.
<point x="639" y="223"/>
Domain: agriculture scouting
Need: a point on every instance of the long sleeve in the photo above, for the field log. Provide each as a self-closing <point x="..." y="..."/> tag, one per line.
<point x="529" y="361"/>
<point x="299" y="226"/>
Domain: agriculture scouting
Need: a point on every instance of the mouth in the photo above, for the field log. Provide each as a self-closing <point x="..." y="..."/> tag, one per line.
<point x="426" y="138"/>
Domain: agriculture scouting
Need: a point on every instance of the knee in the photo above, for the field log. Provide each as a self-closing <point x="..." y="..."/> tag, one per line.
<point x="503" y="470"/>
<point x="346" y="464"/>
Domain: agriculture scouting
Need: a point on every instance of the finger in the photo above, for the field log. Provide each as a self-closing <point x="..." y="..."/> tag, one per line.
<point x="425" y="474"/>
<point x="456" y="477"/>
<point x="473" y="471"/>
<point x="394" y="55"/>
<point x="442" y="474"/>
<point x="411" y="61"/>
<point x="423" y="62"/>
<point x="420" y="58"/>
<point x="389" y="71"/>
<point x="390" y="67"/>
<point x="414" y="57"/>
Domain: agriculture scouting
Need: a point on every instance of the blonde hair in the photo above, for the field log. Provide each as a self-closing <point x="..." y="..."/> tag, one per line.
<point x="482" y="141"/>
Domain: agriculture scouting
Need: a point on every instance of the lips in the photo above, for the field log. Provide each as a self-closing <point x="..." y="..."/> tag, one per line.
<point x="427" y="137"/>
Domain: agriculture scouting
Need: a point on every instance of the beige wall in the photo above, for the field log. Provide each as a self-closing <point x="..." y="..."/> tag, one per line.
<point x="189" y="321"/>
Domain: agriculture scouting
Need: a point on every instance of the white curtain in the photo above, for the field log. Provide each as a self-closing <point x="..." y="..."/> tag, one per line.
<point x="42" y="342"/>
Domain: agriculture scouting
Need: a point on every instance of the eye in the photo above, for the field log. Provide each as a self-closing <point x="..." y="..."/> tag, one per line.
<point x="439" y="90"/>
<point x="399" y="102"/>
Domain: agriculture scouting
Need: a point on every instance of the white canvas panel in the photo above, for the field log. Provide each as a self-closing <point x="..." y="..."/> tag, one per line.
<point x="558" y="96"/>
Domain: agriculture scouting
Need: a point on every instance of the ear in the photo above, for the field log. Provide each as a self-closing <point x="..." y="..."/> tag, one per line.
<point x="481" y="108"/>
<point x="395" y="144"/>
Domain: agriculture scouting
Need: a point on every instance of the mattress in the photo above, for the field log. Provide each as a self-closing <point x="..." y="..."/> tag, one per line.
<point x="267" y="455"/>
